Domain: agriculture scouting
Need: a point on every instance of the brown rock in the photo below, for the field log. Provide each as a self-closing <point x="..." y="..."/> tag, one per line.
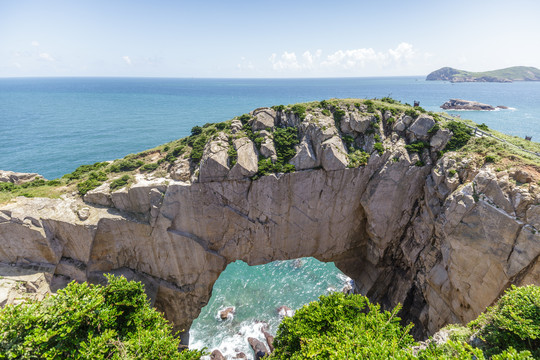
<point x="224" y="314"/>
<point x="217" y="355"/>
<point x="258" y="348"/>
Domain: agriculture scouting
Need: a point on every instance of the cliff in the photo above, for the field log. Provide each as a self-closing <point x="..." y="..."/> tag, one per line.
<point x="515" y="73"/>
<point x="361" y="183"/>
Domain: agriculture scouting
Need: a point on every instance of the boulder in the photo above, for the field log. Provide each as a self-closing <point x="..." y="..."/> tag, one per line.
<point x="216" y="355"/>
<point x="522" y="176"/>
<point x="240" y="355"/>
<point x="247" y="160"/>
<point x="268" y="150"/>
<point x="334" y="154"/>
<point x="269" y="339"/>
<point x="99" y="196"/>
<point x="400" y="126"/>
<point x="180" y="171"/>
<point x="421" y="126"/>
<point x="236" y="126"/>
<point x="407" y="120"/>
<point x="305" y="157"/>
<point x="258" y="348"/>
<point x="440" y="139"/>
<point x="214" y="162"/>
<point x="18" y="178"/>
<point x="224" y="314"/>
<point x="533" y="216"/>
<point x="361" y="122"/>
<point x="264" y="119"/>
<point x="285" y="311"/>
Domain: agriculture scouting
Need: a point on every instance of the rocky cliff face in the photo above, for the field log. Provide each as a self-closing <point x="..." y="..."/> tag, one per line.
<point x="443" y="237"/>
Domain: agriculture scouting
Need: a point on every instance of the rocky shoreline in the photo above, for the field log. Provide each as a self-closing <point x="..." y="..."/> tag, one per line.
<point x="460" y="104"/>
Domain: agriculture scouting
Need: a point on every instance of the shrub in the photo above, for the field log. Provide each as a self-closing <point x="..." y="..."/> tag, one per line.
<point x="149" y="167"/>
<point x="378" y="147"/>
<point x="87" y="185"/>
<point x="126" y="165"/>
<point x="357" y="158"/>
<point x="419" y="163"/>
<point x="416" y="147"/>
<point x="179" y="150"/>
<point x="299" y="110"/>
<point x="338" y="115"/>
<point x="284" y="141"/>
<point x="170" y="158"/>
<point x="89" y="322"/>
<point x="222" y="126"/>
<point x="341" y="326"/>
<point x="244" y="118"/>
<point x="233" y="154"/>
<point x="452" y="173"/>
<point x="461" y="135"/>
<point x="490" y="158"/>
<point x="514" y="321"/>
<point x="391" y="120"/>
<point x="434" y="129"/>
<point x="412" y="113"/>
<point x="196" y="130"/>
<point x="278" y="107"/>
<point x="197" y="148"/>
<point x="483" y="126"/>
<point x="326" y="112"/>
<point x="83" y="169"/>
<point x="120" y="182"/>
<point x="389" y="100"/>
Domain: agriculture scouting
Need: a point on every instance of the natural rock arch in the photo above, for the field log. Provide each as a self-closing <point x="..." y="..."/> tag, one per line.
<point x="406" y="228"/>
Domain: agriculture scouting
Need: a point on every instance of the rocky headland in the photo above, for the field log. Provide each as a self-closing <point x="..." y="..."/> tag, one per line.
<point x="511" y="74"/>
<point x="361" y="183"/>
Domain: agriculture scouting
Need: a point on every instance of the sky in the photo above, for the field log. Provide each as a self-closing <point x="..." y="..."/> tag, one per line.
<point x="264" y="39"/>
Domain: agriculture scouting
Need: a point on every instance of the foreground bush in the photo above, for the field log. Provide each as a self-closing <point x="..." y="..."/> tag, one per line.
<point x="342" y="327"/>
<point x="89" y="322"/>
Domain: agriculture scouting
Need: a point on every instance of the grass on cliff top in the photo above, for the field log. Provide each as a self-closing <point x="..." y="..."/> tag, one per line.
<point x="495" y="151"/>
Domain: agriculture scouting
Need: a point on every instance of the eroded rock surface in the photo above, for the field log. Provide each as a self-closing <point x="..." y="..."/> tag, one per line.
<point x="444" y="239"/>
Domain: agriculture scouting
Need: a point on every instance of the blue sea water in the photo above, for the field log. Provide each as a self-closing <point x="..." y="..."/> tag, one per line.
<point x="53" y="125"/>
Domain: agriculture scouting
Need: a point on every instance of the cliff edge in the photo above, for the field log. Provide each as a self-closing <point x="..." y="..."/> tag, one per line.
<point x="365" y="184"/>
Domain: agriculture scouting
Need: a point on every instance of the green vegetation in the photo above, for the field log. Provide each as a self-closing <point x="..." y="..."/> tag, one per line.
<point x="125" y="165"/>
<point x="343" y="327"/>
<point x="299" y="110"/>
<point x="483" y="127"/>
<point x="452" y="172"/>
<point x="197" y="147"/>
<point x="94" y="180"/>
<point x="149" y="167"/>
<point x="412" y="113"/>
<point x="338" y="115"/>
<point x="89" y="322"/>
<point x="434" y="129"/>
<point x="284" y="141"/>
<point x="120" y="182"/>
<point x="461" y="135"/>
<point x="233" y="154"/>
<point x="357" y="158"/>
<point x="417" y="147"/>
<point x="378" y="147"/>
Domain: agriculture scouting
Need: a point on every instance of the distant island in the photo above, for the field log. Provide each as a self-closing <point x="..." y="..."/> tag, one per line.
<point x="515" y="73"/>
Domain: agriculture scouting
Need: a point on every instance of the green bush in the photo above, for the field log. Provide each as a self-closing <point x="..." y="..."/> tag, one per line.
<point x="490" y="158"/>
<point x="461" y="135"/>
<point x="89" y="322"/>
<point x="284" y="141"/>
<point x="83" y="169"/>
<point x="149" y="167"/>
<point x="326" y="112"/>
<point x="196" y="130"/>
<point x="434" y="129"/>
<point x="197" y="148"/>
<point x="416" y="147"/>
<point x="125" y="165"/>
<point x="452" y="173"/>
<point x="378" y="147"/>
<point x="278" y="107"/>
<point x="342" y="326"/>
<point x="244" y="118"/>
<point x="179" y="150"/>
<point x="338" y="115"/>
<point x="299" y="110"/>
<point x="483" y="126"/>
<point x="120" y="182"/>
<point x="412" y="113"/>
<point x="87" y="185"/>
<point x="514" y="321"/>
<point x="233" y="154"/>
<point x="357" y="158"/>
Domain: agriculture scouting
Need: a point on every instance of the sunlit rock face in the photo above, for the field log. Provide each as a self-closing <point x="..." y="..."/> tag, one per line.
<point x="444" y="238"/>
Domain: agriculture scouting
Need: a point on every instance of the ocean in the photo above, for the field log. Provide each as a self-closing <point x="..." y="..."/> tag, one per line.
<point x="52" y="125"/>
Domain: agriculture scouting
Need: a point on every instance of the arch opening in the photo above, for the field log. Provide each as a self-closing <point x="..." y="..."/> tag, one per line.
<point x="258" y="295"/>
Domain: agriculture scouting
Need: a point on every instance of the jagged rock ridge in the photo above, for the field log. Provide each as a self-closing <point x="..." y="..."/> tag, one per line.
<point x="443" y="237"/>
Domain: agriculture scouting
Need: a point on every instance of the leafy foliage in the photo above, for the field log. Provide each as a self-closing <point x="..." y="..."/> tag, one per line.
<point x="149" y="167"/>
<point x="357" y="158"/>
<point x="461" y="135"/>
<point x="89" y="322"/>
<point x="378" y="147"/>
<point x="284" y="141"/>
<point x="120" y="182"/>
<point x="197" y="147"/>
<point x="299" y="110"/>
<point x="125" y="165"/>
<point x="514" y="321"/>
<point x="338" y="115"/>
<point x="342" y="326"/>
<point x="416" y="147"/>
<point x="84" y="169"/>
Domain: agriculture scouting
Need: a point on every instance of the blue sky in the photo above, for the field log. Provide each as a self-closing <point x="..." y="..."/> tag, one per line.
<point x="254" y="38"/>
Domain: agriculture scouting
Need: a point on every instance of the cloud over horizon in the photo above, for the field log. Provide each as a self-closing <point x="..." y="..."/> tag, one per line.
<point x="350" y="59"/>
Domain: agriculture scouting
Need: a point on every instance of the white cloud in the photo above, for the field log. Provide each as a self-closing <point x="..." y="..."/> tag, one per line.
<point x="126" y="59"/>
<point x="34" y="43"/>
<point x="17" y="65"/>
<point x="244" y="64"/>
<point x="349" y="59"/>
<point x="46" y="56"/>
